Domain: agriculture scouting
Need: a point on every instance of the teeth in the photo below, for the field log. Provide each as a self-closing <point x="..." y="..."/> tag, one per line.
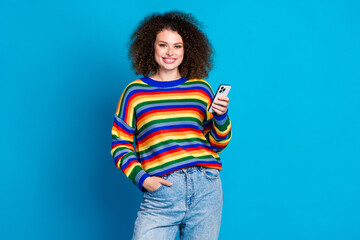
<point x="169" y="60"/>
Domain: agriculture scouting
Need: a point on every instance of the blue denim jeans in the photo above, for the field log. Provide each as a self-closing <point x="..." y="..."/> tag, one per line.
<point x="192" y="205"/>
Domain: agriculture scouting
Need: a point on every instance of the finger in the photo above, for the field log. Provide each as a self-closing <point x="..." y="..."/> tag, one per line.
<point x="218" y="112"/>
<point x="220" y="108"/>
<point x="156" y="186"/>
<point x="223" y="98"/>
<point x="165" y="182"/>
<point x="155" y="181"/>
<point x="221" y="103"/>
<point x="151" y="185"/>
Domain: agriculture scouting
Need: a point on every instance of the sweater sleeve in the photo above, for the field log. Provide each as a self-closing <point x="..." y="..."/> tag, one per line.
<point x="217" y="129"/>
<point x="123" y="152"/>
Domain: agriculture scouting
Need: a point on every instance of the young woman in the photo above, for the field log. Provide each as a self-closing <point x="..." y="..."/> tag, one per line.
<point x="175" y="161"/>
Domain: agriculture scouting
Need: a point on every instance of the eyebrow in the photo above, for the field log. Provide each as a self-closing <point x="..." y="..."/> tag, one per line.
<point x="174" y="43"/>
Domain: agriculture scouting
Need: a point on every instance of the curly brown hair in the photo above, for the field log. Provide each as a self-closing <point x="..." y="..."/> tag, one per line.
<point x="198" y="51"/>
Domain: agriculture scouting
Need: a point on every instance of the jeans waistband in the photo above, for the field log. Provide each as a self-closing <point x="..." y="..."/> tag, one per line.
<point x="191" y="169"/>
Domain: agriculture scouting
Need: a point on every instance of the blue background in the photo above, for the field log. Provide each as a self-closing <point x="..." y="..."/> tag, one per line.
<point x="291" y="171"/>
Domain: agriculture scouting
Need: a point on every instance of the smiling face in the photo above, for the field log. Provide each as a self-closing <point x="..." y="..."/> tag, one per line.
<point x="169" y="51"/>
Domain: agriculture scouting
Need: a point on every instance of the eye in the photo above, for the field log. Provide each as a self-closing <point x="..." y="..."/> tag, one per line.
<point x="178" y="46"/>
<point x="162" y="45"/>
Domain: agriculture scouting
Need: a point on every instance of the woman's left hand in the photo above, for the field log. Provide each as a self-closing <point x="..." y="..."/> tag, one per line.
<point x="221" y="106"/>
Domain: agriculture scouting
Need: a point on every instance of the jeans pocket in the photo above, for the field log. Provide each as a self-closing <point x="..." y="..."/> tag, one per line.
<point x="161" y="186"/>
<point x="211" y="173"/>
<point x="156" y="190"/>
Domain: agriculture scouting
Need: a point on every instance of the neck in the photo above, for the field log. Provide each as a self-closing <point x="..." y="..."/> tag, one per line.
<point x="166" y="75"/>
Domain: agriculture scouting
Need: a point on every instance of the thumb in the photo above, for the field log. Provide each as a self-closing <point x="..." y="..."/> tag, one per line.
<point x="166" y="182"/>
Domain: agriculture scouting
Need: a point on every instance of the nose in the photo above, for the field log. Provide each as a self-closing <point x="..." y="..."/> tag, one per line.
<point x="170" y="51"/>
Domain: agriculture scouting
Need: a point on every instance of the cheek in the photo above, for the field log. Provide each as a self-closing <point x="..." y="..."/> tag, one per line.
<point x="181" y="54"/>
<point x="158" y="51"/>
<point x="157" y="55"/>
<point x="182" y="57"/>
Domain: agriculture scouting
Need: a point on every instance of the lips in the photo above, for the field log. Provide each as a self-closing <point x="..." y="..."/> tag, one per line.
<point x="169" y="60"/>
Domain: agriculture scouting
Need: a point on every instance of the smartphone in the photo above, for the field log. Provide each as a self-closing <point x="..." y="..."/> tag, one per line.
<point x="223" y="90"/>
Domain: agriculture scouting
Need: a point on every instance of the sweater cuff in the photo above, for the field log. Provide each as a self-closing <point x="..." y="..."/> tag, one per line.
<point x="140" y="178"/>
<point x="221" y="120"/>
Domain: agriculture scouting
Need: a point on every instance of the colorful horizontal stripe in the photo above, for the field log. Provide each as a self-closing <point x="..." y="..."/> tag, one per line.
<point x="170" y="127"/>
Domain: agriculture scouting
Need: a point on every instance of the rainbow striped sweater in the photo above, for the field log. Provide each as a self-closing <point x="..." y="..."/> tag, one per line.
<point x="161" y="127"/>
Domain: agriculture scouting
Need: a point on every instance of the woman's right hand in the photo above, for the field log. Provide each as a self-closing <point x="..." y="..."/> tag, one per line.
<point x="153" y="183"/>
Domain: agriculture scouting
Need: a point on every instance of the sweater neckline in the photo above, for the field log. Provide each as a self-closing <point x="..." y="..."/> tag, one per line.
<point x="156" y="83"/>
